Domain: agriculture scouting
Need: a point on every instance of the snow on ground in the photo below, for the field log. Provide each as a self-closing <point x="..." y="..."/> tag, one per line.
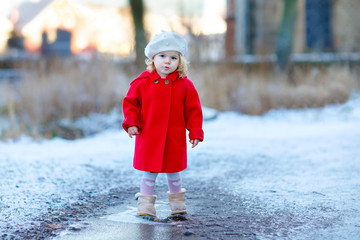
<point x="285" y="159"/>
<point x="304" y="162"/>
<point x="37" y="177"/>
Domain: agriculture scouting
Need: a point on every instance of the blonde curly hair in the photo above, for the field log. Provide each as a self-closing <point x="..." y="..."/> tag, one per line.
<point x="182" y="67"/>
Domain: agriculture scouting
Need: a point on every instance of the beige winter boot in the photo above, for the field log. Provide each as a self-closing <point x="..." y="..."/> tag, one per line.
<point x="177" y="202"/>
<point x="146" y="205"/>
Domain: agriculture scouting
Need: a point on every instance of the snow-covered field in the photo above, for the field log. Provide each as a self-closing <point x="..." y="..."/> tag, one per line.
<point x="286" y="159"/>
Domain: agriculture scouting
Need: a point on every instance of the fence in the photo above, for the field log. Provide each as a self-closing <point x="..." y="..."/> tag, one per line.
<point x="11" y="75"/>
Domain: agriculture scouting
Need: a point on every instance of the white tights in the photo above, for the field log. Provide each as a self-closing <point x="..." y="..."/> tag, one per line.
<point x="148" y="182"/>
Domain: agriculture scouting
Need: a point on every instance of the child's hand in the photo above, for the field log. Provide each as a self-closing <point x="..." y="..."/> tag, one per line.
<point x="194" y="142"/>
<point x="132" y="131"/>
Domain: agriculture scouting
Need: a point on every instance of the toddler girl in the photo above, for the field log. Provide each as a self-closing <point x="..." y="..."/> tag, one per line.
<point x="158" y="108"/>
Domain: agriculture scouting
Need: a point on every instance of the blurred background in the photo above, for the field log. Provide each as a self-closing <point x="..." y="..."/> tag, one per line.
<point x="65" y="65"/>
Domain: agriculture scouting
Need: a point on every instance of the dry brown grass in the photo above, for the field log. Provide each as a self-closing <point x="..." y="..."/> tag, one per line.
<point x="255" y="90"/>
<point x="62" y="89"/>
<point x="73" y="88"/>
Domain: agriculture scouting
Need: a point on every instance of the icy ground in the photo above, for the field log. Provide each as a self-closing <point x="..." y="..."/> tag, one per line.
<point x="303" y="162"/>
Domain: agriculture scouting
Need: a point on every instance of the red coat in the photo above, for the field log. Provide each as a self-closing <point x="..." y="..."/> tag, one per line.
<point x="162" y="109"/>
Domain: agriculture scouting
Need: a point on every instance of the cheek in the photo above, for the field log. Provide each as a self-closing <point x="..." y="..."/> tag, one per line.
<point x="176" y="64"/>
<point x="156" y="64"/>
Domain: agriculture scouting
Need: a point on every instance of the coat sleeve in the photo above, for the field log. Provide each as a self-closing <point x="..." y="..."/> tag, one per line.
<point x="131" y="107"/>
<point x="193" y="113"/>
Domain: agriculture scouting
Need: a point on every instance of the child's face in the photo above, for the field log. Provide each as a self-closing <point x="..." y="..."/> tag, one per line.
<point x="166" y="62"/>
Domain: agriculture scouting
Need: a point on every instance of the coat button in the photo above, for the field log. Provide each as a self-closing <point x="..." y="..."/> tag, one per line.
<point x="166" y="81"/>
<point x="156" y="81"/>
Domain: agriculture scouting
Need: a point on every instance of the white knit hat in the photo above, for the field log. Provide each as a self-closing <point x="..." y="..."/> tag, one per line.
<point x="166" y="41"/>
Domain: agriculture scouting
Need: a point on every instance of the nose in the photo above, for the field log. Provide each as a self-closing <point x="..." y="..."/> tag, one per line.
<point x="167" y="60"/>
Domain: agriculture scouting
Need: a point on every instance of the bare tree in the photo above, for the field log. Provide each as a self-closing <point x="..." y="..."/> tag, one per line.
<point x="137" y="10"/>
<point x="286" y="34"/>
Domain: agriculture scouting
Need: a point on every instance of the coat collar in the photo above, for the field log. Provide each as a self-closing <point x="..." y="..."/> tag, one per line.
<point x="172" y="76"/>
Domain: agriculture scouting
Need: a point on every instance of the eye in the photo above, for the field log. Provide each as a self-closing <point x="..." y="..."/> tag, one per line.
<point x="173" y="58"/>
<point x="162" y="55"/>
